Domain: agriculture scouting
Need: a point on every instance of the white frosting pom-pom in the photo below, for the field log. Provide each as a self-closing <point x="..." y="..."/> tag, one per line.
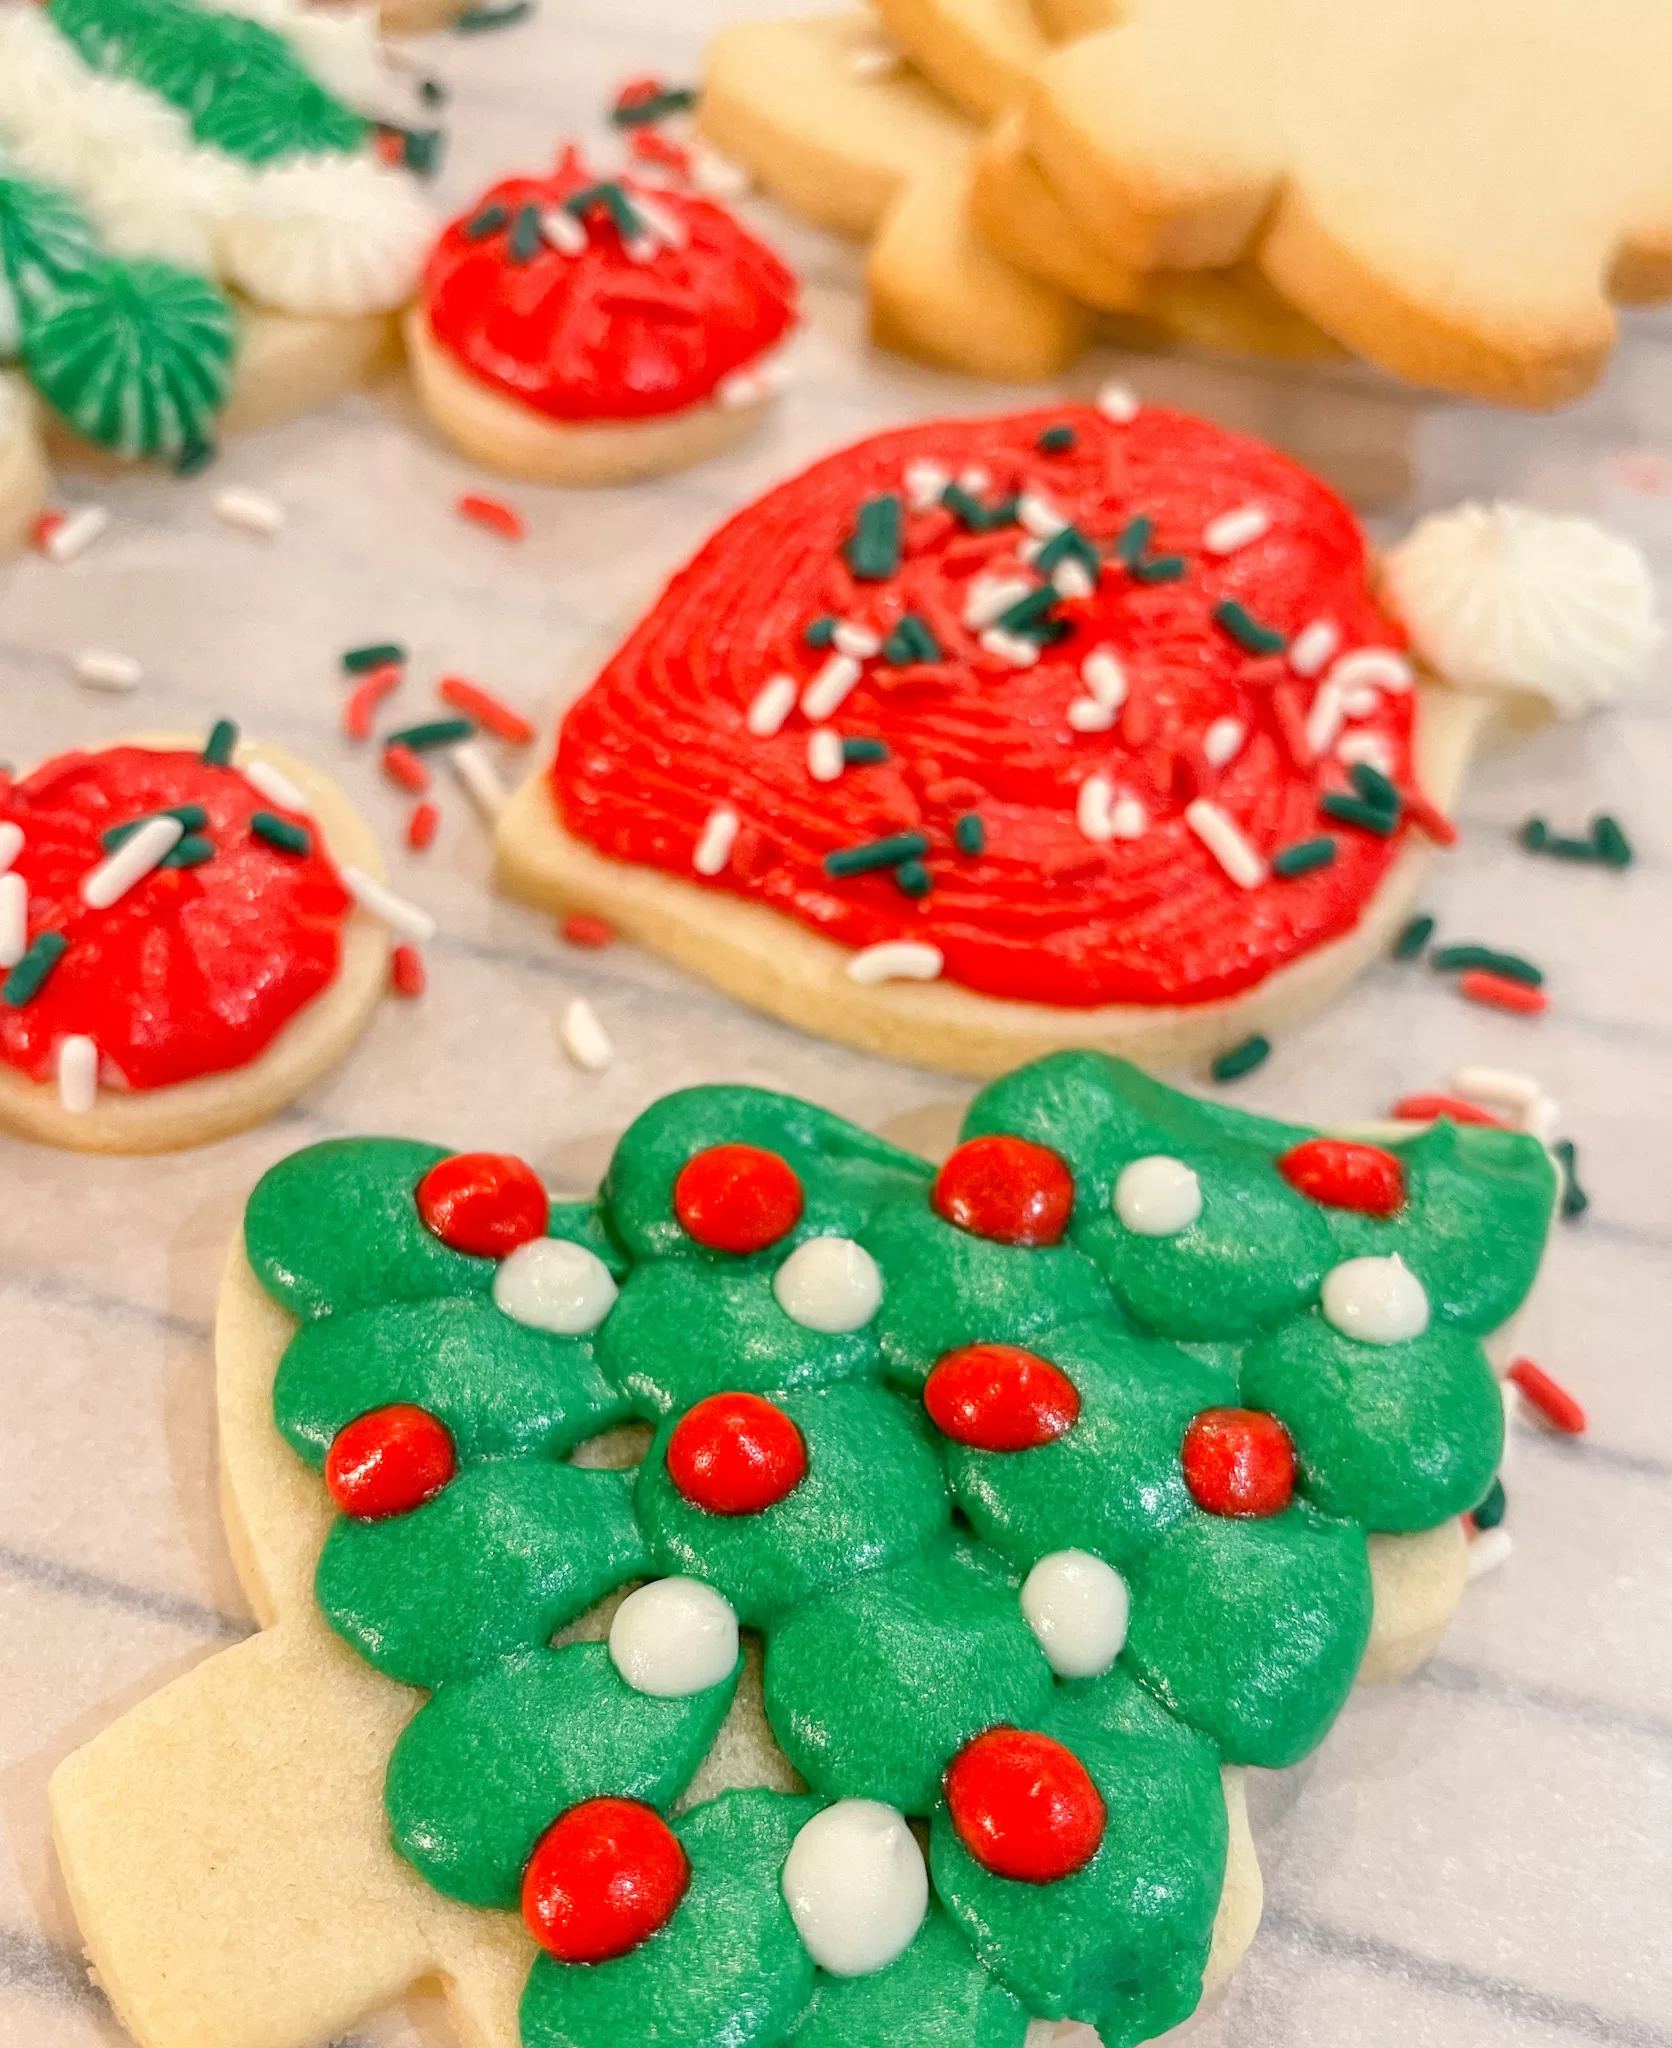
<point x="1501" y="597"/>
<point x="674" y="1637"/>
<point x="331" y="236"/>
<point x="1375" y="1301"/>
<point x="553" y="1285"/>
<point x="1157" y="1196"/>
<point x="829" y="1284"/>
<point x="1077" y="1607"/>
<point x="856" y="1887"/>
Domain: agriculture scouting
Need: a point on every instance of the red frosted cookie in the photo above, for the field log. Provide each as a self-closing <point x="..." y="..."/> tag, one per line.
<point x="578" y="329"/>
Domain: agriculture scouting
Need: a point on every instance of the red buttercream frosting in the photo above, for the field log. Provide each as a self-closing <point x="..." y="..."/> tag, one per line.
<point x="601" y="334"/>
<point x="1043" y="911"/>
<point x="196" y="969"/>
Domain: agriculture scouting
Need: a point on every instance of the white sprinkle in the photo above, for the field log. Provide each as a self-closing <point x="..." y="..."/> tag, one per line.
<point x="77" y="534"/>
<point x="78" y="1074"/>
<point x="739" y="389"/>
<point x="1222" y="742"/>
<point x="275" y="786"/>
<point x="1118" y="402"/>
<point x="14" y="919"/>
<point x="11" y="843"/>
<point x="975" y="479"/>
<point x="1505" y="1085"/>
<point x="825" y="695"/>
<point x="1375" y="1300"/>
<point x="476" y="777"/>
<point x="1026" y="550"/>
<point x="640" y="249"/>
<point x="717" y="175"/>
<point x="386" y="906"/>
<point x="989" y="596"/>
<point x="667" y="226"/>
<point x="1360" y="700"/>
<point x="1542" y="1120"/>
<point x="1010" y="648"/>
<point x="1071" y="578"/>
<point x="1104" y="677"/>
<point x="830" y="1284"/>
<point x="1313" y="645"/>
<point x="1157" y="1196"/>
<point x="924" y="482"/>
<point x="1325" y="718"/>
<point x="1128" y="819"/>
<point x="584" y="1039"/>
<point x="875" y="60"/>
<point x="859" y="641"/>
<point x="713" y="849"/>
<point x="824" y="754"/>
<point x="1488" y="1550"/>
<point x="1091" y="808"/>
<point x="565" y="234"/>
<point x="132" y="861"/>
<point x="1085" y="714"/>
<point x="1378" y="665"/>
<point x="1039" y="515"/>
<point x="252" y="510"/>
<point x="774" y="702"/>
<point x="1368" y="747"/>
<point x="1233" y="530"/>
<point x="896" y="960"/>
<point x="1223" y="838"/>
<point x="104" y="670"/>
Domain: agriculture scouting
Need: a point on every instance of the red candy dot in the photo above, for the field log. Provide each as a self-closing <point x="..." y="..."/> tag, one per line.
<point x="1006" y="1188"/>
<point x="735" y="1454"/>
<point x="483" y="1202"/>
<point x="1024" y="1806"/>
<point x="1346" y="1176"/>
<point x="1238" y="1461"/>
<point x="389" y="1462"/>
<point x="603" y="1878"/>
<point x="737" y="1198"/>
<point x="998" y="1397"/>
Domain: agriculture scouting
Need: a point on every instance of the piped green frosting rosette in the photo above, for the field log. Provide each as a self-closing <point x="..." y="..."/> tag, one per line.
<point x="1179" y="1344"/>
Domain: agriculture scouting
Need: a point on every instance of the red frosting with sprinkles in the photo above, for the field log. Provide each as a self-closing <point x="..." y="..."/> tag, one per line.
<point x="629" y="327"/>
<point x="196" y="969"/>
<point x="1039" y="910"/>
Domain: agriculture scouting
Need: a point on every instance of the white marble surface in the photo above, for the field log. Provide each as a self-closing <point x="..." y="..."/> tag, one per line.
<point x="1478" y="1857"/>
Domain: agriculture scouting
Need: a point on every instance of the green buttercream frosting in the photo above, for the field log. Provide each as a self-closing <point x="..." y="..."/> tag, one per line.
<point x="46" y="245"/>
<point x="937" y="1995"/>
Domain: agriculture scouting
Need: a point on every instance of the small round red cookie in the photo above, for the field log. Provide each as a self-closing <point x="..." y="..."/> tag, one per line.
<point x="576" y="329"/>
<point x="181" y="948"/>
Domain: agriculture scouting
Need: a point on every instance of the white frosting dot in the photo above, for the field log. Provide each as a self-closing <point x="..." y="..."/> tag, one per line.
<point x="1378" y="1301"/>
<point x="829" y="1284"/>
<point x="553" y="1285"/>
<point x="1158" y="1196"/>
<point x="856" y="1887"/>
<point x="1077" y="1606"/>
<point x="673" y="1637"/>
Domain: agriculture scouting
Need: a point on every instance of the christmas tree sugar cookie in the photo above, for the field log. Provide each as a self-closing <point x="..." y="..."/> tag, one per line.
<point x="181" y="950"/>
<point x="620" y="1648"/>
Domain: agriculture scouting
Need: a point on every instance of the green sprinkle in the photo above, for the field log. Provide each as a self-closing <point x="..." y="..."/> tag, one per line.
<point x="1491" y="1510"/>
<point x="911" y="640"/>
<point x="971" y="513"/>
<point x="280" y="832"/>
<point x="476" y="21"/>
<point x="1611" y="841"/>
<point x="822" y="632"/>
<point x="913" y="878"/>
<point x="1056" y="440"/>
<point x="1461" y="959"/>
<point x="195" y="457"/>
<point x="1030" y="615"/>
<point x="217" y="748"/>
<point x="1534" y="835"/>
<point x="421" y="149"/>
<point x="193" y="818"/>
<point x="358" y="660"/>
<point x="1376" y="789"/>
<point x="969" y="832"/>
<point x="1133" y="540"/>
<point x="1303" y="856"/>
<point x="655" y="107"/>
<point x="1159" y="569"/>
<point x="434" y="732"/>
<point x="876" y="853"/>
<point x="1413" y="937"/>
<point x="524" y="243"/>
<point x="1242" y="1059"/>
<point x="1575" y="1201"/>
<point x="190" y="852"/>
<point x="1246" y="630"/>
<point x="23" y="984"/>
<point x="864" y="753"/>
<point x="1068" y="543"/>
<point x="432" y="92"/>
<point x="488" y="222"/>
<point x="1352" y="810"/>
<point x="873" y="548"/>
<point x="615" y="203"/>
<point x="1573" y="849"/>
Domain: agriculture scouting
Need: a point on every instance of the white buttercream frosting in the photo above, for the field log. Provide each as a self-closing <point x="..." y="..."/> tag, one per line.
<point x="338" y="44"/>
<point x="333" y="235"/>
<point x="1501" y="597"/>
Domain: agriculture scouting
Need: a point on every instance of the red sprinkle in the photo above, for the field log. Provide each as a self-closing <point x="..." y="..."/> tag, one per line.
<point x="581" y="928"/>
<point x="1498" y="992"/>
<point x="637" y="92"/>
<point x="652" y="147"/>
<point x="487" y="710"/>
<point x="389" y="1462"/>
<point x="1291" y="724"/>
<point x="1008" y="1189"/>
<point x="486" y="1203"/>
<point x="1239" y="1462"/>
<point x="603" y="1878"/>
<point x="737" y="1198"/>
<point x="1024" y="1806"/>
<point x="492" y="513"/>
<point x="406" y="971"/>
<point x="367" y="694"/>
<point x="1554" y="1403"/>
<point x="998" y="1397"/>
<point x="391" y="148"/>
<point x="1427" y="817"/>
<point x="1346" y="1176"/>
<point x="403" y="766"/>
<point x="421" y="826"/>
<point x="45" y="526"/>
<point x="1424" y="1109"/>
<point x="735" y="1454"/>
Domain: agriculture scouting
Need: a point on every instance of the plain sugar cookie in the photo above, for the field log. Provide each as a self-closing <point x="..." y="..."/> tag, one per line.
<point x="22" y="471"/>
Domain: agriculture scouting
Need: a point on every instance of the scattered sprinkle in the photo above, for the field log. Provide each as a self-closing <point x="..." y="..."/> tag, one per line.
<point x="1413" y="936"/>
<point x="404" y="769"/>
<point x="716" y="175"/>
<point x="131" y="861"/>
<point x="969" y="832"/>
<point x="1490" y="1549"/>
<point x="105" y="670"/>
<point x="522" y="245"/>
<point x="560" y="230"/>
<point x="1375" y="788"/>
<point x="1246" y="630"/>
<point x="876" y="853"/>
<point x="820" y="632"/>
<point x="859" y="641"/>
<point x="990" y="597"/>
<point x="1056" y="440"/>
<point x="1092" y="809"/>
<point x="912" y="878"/>
<point x="1499" y="992"/>
<point x="1313" y="645"/>
<point x="61" y="536"/>
<point x="1428" y="818"/>
<point x="407" y="974"/>
<point x="1427" y="1109"/>
<point x="275" y="786"/>
<point x="78" y="1074"/>
<point x="1085" y="714"/>
<point x="280" y="832"/>
<point x="486" y="710"/>
<point x="476" y="21"/>
<point x="252" y="510"/>
<point x="1456" y="959"/>
<point x="488" y="222"/>
<point x="581" y="928"/>
<point x="1378" y="667"/>
<point x="1104" y="677"/>
<point x="1242" y="1059"/>
<point x="422" y="825"/>
<point x="1223" y="837"/>
<point x="493" y="513"/>
<point x="912" y="640"/>
<point x="864" y="753"/>
<point x="872" y="550"/>
<point x="218" y="747"/>
<point x="1352" y="810"/>
<point x="382" y="903"/>
<point x="1118" y="402"/>
<point x="924" y="482"/>
<point x="195" y="457"/>
<point x="646" y="100"/>
<point x="719" y="833"/>
<point x="829" y="688"/>
<point x="1011" y="648"/>
<point x="1553" y="1402"/>
<point x="1303" y="856"/>
<point x="584" y="1039"/>
<point x="433" y="732"/>
<point x="32" y="967"/>
<point x="14" y="919"/>
<point x="1222" y="741"/>
<point x="11" y="843"/>
<point x="475" y="775"/>
<point x="1234" y="530"/>
<point x="1039" y="516"/>
<point x="1491" y="1510"/>
<point x="896" y="960"/>
<point x="1575" y="1201"/>
<point x="773" y="703"/>
<point x="1607" y="843"/>
<point x="359" y="661"/>
<point x="360" y="707"/>
<point x="190" y="852"/>
<point x="1506" y="1086"/>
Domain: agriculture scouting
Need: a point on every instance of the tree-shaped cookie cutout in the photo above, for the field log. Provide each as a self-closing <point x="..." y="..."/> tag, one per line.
<point x="1455" y="192"/>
